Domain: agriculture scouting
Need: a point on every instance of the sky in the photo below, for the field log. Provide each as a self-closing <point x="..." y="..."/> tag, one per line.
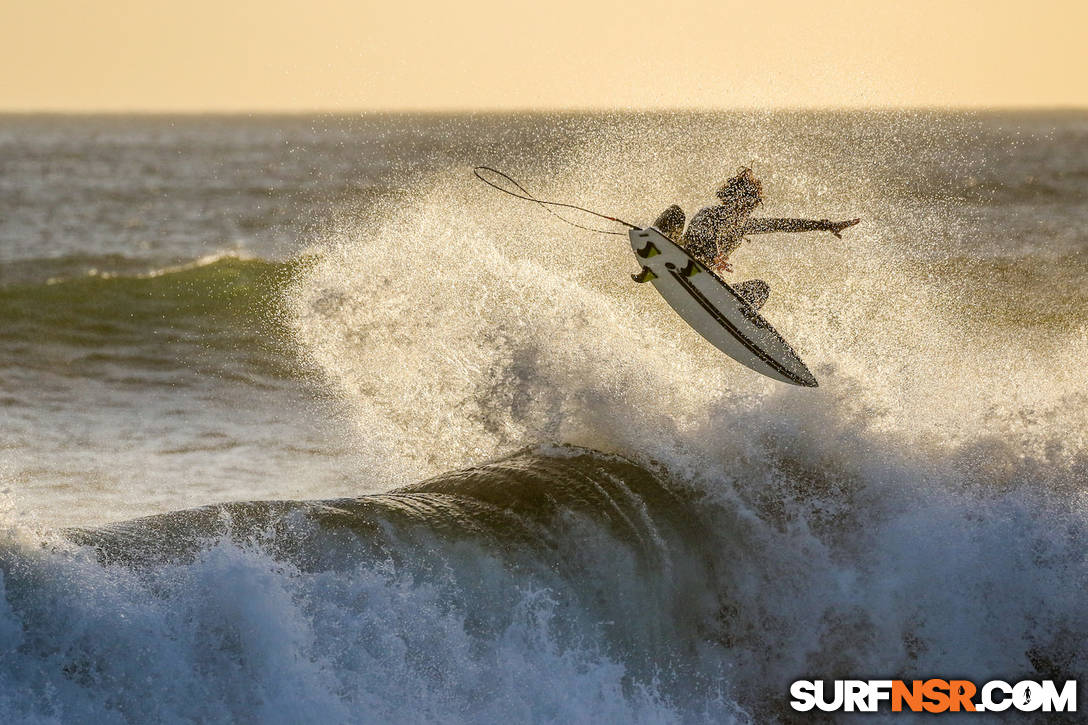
<point x="326" y="55"/>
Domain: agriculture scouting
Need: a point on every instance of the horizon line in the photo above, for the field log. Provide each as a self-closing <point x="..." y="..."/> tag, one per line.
<point x="587" y="110"/>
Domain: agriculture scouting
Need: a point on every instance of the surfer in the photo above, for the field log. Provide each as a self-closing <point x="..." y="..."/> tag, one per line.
<point x="715" y="232"/>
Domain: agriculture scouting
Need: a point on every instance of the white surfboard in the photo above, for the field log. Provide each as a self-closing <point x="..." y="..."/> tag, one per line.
<point x="715" y="310"/>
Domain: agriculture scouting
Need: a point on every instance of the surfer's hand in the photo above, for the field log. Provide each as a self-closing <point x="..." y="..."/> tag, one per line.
<point x="721" y="264"/>
<point x="837" y="227"/>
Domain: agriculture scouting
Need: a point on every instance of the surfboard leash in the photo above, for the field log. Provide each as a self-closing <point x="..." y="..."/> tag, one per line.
<point x="545" y="204"/>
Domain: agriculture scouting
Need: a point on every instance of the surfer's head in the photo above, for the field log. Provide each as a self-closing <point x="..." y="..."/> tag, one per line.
<point x="743" y="190"/>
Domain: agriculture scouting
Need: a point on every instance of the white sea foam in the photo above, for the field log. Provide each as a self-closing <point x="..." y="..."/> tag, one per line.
<point x="239" y="636"/>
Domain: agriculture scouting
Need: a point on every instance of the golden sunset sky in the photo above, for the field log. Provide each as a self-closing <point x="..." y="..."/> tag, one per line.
<point x="295" y="55"/>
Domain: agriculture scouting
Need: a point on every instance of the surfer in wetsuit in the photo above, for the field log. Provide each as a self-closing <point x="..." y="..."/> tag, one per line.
<point x="715" y="232"/>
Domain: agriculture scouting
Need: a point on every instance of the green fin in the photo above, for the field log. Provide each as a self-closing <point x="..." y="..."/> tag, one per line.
<point x="644" y="276"/>
<point x="649" y="251"/>
<point x="691" y="269"/>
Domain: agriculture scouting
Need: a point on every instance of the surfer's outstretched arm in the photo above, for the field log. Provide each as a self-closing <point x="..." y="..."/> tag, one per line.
<point x="766" y="226"/>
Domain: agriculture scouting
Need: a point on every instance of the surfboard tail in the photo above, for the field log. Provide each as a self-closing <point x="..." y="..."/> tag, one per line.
<point x="721" y="314"/>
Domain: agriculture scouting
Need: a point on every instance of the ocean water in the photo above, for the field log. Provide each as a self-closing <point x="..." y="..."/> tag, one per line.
<point x="300" y="422"/>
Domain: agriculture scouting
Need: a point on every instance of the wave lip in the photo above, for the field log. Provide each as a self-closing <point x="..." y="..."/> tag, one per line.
<point x="524" y="506"/>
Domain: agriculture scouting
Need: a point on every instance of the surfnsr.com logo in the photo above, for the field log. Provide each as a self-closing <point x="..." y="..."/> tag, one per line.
<point x="933" y="696"/>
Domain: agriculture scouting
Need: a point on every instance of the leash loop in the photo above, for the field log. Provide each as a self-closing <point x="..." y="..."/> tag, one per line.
<point x="546" y="205"/>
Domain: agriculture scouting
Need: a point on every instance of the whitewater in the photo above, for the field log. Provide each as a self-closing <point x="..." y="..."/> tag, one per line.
<point x="303" y="423"/>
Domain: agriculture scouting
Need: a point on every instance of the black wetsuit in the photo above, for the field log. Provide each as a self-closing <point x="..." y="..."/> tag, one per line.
<point x="716" y="231"/>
